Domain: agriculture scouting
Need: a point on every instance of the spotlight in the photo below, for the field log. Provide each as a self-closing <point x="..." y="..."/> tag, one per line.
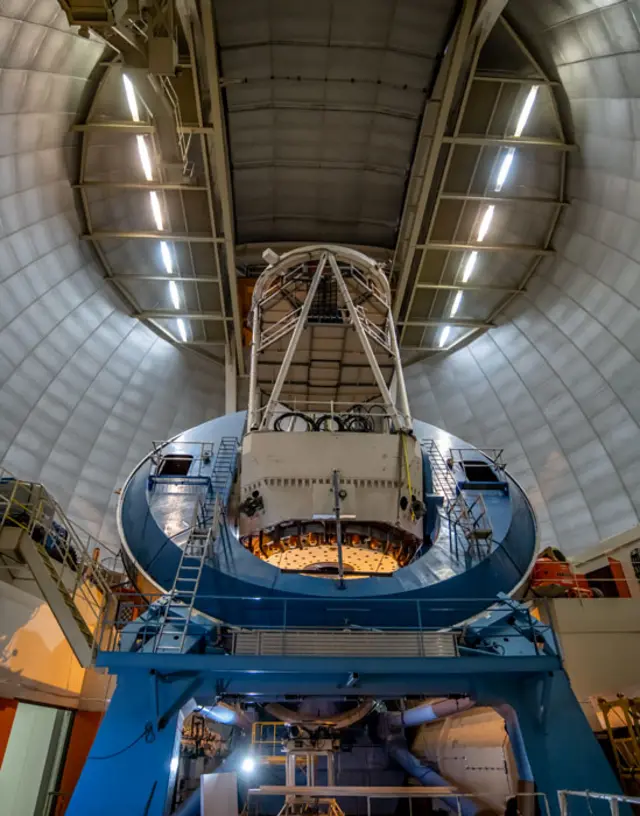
<point x="248" y="764"/>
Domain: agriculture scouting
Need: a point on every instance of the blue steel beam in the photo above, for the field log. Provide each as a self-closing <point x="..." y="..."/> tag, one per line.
<point x="315" y="666"/>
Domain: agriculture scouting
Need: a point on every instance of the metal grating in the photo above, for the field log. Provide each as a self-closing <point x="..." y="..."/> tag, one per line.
<point x="330" y="643"/>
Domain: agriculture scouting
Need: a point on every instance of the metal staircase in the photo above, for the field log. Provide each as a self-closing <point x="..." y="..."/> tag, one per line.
<point x="208" y="523"/>
<point x="38" y="541"/>
<point x="467" y="518"/>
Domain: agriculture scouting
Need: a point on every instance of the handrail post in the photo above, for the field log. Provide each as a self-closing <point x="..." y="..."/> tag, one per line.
<point x="562" y="801"/>
<point x="336" y="497"/>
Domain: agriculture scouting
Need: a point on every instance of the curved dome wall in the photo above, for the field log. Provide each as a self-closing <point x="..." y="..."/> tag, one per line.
<point x="84" y="388"/>
<point x="558" y="386"/>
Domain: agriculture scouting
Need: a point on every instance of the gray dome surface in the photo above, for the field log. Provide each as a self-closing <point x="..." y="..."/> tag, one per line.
<point x="84" y="387"/>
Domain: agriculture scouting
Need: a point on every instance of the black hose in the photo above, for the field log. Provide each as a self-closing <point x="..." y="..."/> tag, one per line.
<point x="321" y="420"/>
<point x="359" y="423"/>
<point x="277" y="425"/>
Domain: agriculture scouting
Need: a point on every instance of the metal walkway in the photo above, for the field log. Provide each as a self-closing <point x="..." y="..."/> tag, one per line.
<point x="38" y="541"/>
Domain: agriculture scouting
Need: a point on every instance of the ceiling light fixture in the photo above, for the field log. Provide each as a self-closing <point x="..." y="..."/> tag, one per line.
<point x="130" y="93"/>
<point x="469" y="265"/>
<point x="145" y="159"/>
<point x="182" y="329"/>
<point x="504" y="169"/>
<point x="486" y="222"/>
<point x="166" y="257"/>
<point x="175" y="295"/>
<point x="444" y="334"/>
<point x="155" y="207"/>
<point x="456" y="303"/>
<point x="526" y="110"/>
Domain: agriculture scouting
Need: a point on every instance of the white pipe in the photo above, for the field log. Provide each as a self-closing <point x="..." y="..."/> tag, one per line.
<point x="428" y="712"/>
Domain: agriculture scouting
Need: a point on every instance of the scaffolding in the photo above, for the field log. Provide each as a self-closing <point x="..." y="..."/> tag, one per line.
<point x="622" y="721"/>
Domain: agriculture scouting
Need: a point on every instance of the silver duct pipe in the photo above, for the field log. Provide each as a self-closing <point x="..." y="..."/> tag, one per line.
<point x="429" y="712"/>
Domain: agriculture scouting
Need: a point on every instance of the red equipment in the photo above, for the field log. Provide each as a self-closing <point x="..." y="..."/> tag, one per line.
<point x="552" y="577"/>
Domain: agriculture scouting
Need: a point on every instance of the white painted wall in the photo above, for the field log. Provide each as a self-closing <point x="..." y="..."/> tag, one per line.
<point x="600" y="642"/>
<point x="619" y="547"/>
<point x="34" y="654"/>
<point x="29" y="767"/>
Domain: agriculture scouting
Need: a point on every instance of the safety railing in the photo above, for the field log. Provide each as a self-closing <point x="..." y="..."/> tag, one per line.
<point x="338" y="625"/>
<point x="275" y="331"/>
<point x="198" y="454"/>
<point x="525" y="802"/>
<point x="267" y="737"/>
<point x="184" y="139"/>
<point x="70" y="554"/>
<point x="377" y="333"/>
<point x="282" y="283"/>
<point x="467" y="518"/>
<point x="493" y="455"/>
<point x="614" y="801"/>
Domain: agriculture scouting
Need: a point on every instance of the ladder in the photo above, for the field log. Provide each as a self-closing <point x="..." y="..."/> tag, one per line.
<point x="208" y="519"/>
<point x="471" y="519"/>
<point x="442" y="476"/>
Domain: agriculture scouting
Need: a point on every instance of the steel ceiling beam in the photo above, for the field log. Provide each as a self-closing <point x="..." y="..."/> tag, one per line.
<point x="463" y="246"/>
<point x="466" y="287"/>
<point x="133" y="127"/>
<point x="184" y="237"/>
<point x="488" y="15"/>
<point x="508" y="141"/>
<point x="498" y="199"/>
<point x="514" y="80"/>
<point x="140" y="185"/>
<point x="222" y="174"/>
<point x="204" y="344"/>
<point x="132" y="276"/>
<point x="432" y="132"/>
<point x="305" y="164"/>
<point x="424" y="348"/>
<point x="173" y="314"/>
<point x="452" y="321"/>
<point x="192" y="26"/>
<point x="332" y="107"/>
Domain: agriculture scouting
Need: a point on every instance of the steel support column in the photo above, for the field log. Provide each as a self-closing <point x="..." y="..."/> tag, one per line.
<point x="403" y="423"/>
<point x="444" y="96"/>
<point x="221" y="169"/>
<point x="293" y="344"/>
<point x="230" y="380"/>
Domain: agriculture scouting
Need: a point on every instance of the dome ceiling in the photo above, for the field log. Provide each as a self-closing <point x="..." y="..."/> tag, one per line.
<point x="85" y="389"/>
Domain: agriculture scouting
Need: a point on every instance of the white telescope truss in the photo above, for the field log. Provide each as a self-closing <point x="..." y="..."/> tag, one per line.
<point x="291" y="295"/>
